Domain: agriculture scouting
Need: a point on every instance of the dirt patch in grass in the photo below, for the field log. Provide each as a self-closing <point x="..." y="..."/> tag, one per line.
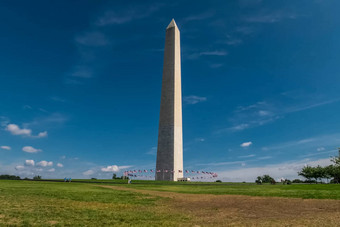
<point x="239" y="210"/>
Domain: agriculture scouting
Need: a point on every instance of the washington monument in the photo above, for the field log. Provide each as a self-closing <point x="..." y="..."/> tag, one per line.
<point x="169" y="164"/>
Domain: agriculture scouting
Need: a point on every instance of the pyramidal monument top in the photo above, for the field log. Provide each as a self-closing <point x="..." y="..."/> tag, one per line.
<point x="172" y="24"/>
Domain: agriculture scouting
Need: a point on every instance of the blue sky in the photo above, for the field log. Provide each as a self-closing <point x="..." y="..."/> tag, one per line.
<point x="81" y="83"/>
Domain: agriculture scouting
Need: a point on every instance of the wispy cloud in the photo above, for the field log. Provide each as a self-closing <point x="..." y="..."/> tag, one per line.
<point x="207" y="53"/>
<point x="245" y="30"/>
<point x="115" y="17"/>
<point x="247" y="156"/>
<point x="233" y="41"/>
<point x="6" y="148"/>
<point x="30" y="149"/>
<point x="92" y="38"/>
<point x="199" y="17"/>
<point x="19" y="167"/>
<point x="216" y="65"/>
<point x="319" y="153"/>
<point x="320" y="149"/>
<point x="200" y="139"/>
<point x="89" y="172"/>
<point x="152" y="151"/>
<point x="311" y="143"/>
<point x="82" y="71"/>
<point x="52" y="119"/>
<point x="268" y="111"/>
<point x="57" y="99"/>
<point x="270" y="16"/>
<point x="193" y="99"/>
<point x="241" y="162"/>
<point x="95" y="41"/>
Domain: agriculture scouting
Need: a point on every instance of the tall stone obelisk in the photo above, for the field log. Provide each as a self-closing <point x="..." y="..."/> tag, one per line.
<point x="169" y="164"/>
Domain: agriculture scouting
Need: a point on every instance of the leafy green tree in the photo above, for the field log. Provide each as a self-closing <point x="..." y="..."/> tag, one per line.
<point x="114" y="176"/>
<point x="336" y="170"/>
<point x="267" y="179"/>
<point x="37" y="177"/>
<point x="329" y="172"/>
<point x="9" y="177"/>
<point x="264" y="179"/>
<point x="318" y="173"/>
<point x="306" y="172"/>
<point x="297" y="181"/>
<point x="258" y="180"/>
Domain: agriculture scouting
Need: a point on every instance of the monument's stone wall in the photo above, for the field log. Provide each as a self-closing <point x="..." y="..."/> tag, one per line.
<point x="170" y="139"/>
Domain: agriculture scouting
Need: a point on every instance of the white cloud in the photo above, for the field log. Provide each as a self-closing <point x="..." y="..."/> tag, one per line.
<point x="44" y="163"/>
<point x="112" y="168"/>
<point x="19" y="167"/>
<point x="193" y="99"/>
<point x="320" y="149"/>
<point x="88" y="172"/>
<point x="60" y="165"/>
<point x="16" y="130"/>
<point x="51" y="170"/>
<point x="30" y="149"/>
<point x="6" y="147"/>
<point x="29" y="163"/>
<point x="42" y="134"/>
<point x="246" y="144"/>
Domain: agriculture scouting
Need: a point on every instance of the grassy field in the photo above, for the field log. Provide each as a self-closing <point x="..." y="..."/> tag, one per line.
<point x="44" y="203"/>
<point x="305" y="191"/>
<point x="58" y="203"/>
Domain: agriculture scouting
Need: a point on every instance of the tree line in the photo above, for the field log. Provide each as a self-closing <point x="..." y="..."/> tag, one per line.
<point x="330" y="172"/>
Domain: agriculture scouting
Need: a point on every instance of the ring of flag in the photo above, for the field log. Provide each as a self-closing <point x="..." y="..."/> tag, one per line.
<point x="149" y="173"/>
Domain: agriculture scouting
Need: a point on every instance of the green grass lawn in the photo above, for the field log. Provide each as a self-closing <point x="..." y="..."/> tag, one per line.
<point x="46" y="203"/>
<point x="58" y="203"/>
<point x="305" y="191"/>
